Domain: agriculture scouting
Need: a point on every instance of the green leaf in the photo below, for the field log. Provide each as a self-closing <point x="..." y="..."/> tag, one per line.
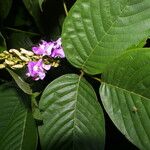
<point x="35" y="108"/>
<point x="126" y="97"/>
<point x="40" y="4"/>
<point x="17" y="127"/>
<point x="2" y="43"/>
<point x="5" y="8"/>
<point x="25" y="87"/>
<point x="141" y="44"/>
<point x="72" y="116"/>
<point x="97" y="31"/>
<point x="34" y="10"/>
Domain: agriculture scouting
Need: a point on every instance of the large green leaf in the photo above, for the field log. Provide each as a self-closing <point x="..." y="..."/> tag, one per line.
<point x="73" y="118"/>
<point x="5" y="8"/>
<point x="126" y="97"/>
<point x="141" y="44"/>
<point x="96" y="31"/>
<point x="17" y="128"/>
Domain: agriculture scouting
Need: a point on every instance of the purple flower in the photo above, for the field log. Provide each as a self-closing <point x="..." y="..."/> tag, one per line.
<point x="57" y="50"/>
<point x="37" y="70"/>
<point x="52" y="49"/>
<point x="44" y="48"/>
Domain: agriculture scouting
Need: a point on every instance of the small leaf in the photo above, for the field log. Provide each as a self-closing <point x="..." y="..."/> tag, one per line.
<point x="126" y="97"/>
<point x="97" y="31"/>
<point x="40" y="4"/>
<point x="17" y="127"/>
<point x="72" y="116"/>
<point x="35" y="108"/>
<point x="2" y="43"/>
<point x="20" y="82"/>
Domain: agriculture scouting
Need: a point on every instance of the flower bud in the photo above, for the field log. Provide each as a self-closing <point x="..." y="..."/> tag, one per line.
<point x="9" y="62"/>
<point x="26" y="52"/>
<point x="2" y="66"/>
<point x="6" y="52"/>
<point x="37" y="57"/>
<point x="18" y="66"/>
<point x="15" y="51"/>
<point x="55" y="64"/>
<point x="2" y="56"/>
<point x="24" y="58"/>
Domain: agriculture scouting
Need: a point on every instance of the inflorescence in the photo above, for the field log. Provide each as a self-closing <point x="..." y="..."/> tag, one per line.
<point x="42" y="57"/>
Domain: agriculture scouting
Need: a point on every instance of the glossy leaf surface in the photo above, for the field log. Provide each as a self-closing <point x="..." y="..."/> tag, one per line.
<point x="72" y="116"/>
<point x="17" y="127"/>
<point x="126" y="97"/>
<point x="96" y="31"/>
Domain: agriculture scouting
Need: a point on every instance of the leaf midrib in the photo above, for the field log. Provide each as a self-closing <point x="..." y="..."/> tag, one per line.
<point x="75" y="108"/>
<point x="123" y="89"/>
<point x="23" y="129"/>
<point x="106" y="33"/>
<point x="142" y="99"/>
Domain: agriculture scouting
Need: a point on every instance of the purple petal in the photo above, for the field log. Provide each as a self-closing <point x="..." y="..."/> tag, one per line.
<point x="39" y="63"/>
<point x="41" y="75"/>
<point x="46" y="67"/>
<point x="57" y="44"/>
<point x="30" y="68"/>
<point x="58" y="53"/>
<point x="38" y="50"/>
<point x="53" y="49"/>
<point x="36" y="78"/>
<point x="48" y="48"/>
<point x="43" y="42"/>
<point x="37" y="69"/>
<point x="28" y="74"/>
<point x="59" y="41"/>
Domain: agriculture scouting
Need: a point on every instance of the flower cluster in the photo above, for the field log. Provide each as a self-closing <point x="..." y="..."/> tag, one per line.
<point x="37" y="70"/>
<point x="52" y="50"/>
<point x="16" y="59"/>
<point x="38" y="61"/>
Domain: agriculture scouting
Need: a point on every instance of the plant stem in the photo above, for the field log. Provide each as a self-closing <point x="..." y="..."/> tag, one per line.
<point x="65" y="8"/>
<point x="82" y="73"/>
<point x="97" y="79"/>
<point x="17" y="30"/>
